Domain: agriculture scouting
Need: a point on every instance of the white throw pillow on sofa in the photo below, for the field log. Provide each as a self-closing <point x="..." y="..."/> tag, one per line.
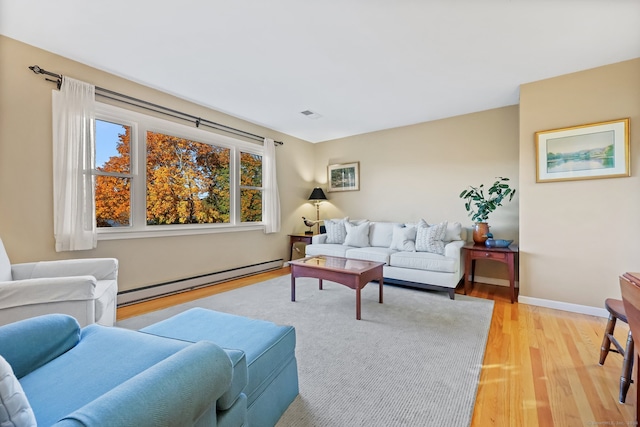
<point x="14" y="406"/>
<point x="431" y="238"/>
<point x="357" y="235"/>
<point x="336" y="231"/>
<point x="404" y="238"/>
<point x="453" y="232"/>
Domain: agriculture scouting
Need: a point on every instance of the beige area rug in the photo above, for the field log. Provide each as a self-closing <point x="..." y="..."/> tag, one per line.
<point x="414" y="360"/>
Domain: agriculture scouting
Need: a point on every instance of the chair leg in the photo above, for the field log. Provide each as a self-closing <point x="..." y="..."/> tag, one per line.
<point x="627" y="369"/>
<point x="637" y="381"/>
<point x="606" y="341"/>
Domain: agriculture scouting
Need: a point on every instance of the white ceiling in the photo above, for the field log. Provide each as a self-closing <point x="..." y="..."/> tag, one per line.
<point x="363" y="65"/>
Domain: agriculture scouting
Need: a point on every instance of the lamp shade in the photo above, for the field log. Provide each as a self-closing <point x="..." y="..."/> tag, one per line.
<point x="317" y="194"/>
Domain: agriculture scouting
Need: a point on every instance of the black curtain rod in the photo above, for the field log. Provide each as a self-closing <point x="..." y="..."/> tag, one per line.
<point x="140" y="103"/>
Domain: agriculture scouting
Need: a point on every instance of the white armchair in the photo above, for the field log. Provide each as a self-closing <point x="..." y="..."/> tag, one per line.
<point x="83" y="288"/>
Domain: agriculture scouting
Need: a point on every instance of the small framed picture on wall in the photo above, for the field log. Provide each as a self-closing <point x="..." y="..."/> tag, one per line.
<point x="343" y="177"/>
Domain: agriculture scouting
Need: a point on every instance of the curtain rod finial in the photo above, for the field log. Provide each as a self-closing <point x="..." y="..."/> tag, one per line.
<point x="36" y="69"/>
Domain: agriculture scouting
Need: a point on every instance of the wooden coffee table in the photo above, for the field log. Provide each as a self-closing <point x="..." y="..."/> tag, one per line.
<point x="352" y="273"/>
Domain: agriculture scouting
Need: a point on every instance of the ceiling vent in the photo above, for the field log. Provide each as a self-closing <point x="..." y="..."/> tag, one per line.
<point x="310" y="114"/>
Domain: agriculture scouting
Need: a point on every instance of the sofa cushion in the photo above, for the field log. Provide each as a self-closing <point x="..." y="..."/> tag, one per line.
<point x="381" y="233"/>
<point x="423" y="261"/>
<point x="239" y="379"/>
<point x="431" y="238"/>
<point x="371" y="254"/>
<point x="267" y="346"/>
<point x="15" y="410"/>
<point x="453" y="232"/>
<point x="357" y="235"/>
<point x="404" y="238"/>
<point x="104" y="358"/>
<point x="176" y="391"/>
<point x="336" y="231"/>
<point x="327" y="249"/>
<point x="44" y="338"/>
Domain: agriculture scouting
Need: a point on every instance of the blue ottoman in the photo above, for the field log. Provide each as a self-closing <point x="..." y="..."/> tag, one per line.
<point x="272" y="381"/>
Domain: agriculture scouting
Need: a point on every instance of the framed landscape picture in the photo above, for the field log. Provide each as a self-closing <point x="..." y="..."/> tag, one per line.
<point x="598" y="150"/>
<point x="343" y="177"/>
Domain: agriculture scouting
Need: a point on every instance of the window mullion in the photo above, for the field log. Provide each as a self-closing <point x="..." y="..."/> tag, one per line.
<point x="234" y="185"/>
<point x="139" y="190"/>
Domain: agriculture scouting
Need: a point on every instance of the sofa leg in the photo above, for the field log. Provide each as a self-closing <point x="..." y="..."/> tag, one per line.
<point x="452" y="293"/>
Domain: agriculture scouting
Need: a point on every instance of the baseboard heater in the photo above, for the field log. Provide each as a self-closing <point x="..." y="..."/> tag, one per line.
<point x="182" y="285"/>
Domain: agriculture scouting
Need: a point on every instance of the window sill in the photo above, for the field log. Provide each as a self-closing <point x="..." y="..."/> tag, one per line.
<point x="169" y="230"/>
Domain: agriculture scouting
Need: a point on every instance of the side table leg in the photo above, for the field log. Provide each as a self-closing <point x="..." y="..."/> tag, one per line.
<point x="512" y="278"/>
<point x="381" y="282"/>
<point x="293" y="287"/>
<point x="358" y="303"/>
<point x="473" y="272"/>
<point x="467" y="270"/>
<point x="320" y="284"/>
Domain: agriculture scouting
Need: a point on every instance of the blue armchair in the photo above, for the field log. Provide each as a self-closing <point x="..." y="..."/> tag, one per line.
<point x="108" y="376"/>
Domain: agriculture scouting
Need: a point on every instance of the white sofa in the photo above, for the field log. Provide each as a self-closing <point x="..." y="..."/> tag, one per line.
<point x="431" y="260"/>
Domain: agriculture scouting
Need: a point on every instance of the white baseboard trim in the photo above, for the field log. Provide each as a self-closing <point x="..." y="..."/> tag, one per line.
<point x="176" y="286"/>
<point x="556" y="305"/>
<point x="565" y="306"/>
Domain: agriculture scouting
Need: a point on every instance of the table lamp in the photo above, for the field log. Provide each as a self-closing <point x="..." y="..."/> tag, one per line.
<point x="317" y="196"/>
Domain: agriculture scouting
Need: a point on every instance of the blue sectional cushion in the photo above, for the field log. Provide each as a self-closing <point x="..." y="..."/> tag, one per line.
<point x="41" y="339"/>
<point x="239" y="379"/>
<point x="104" y="358"/>
<point x="236" y="415"/>
<point x="267" y="346"/>
<point x="195" y="374"/>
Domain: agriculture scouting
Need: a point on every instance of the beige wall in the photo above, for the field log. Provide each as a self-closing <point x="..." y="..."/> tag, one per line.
<point x="576" y="237"/>
<point x="419" y="171"/>
<point x="26" y="218"/>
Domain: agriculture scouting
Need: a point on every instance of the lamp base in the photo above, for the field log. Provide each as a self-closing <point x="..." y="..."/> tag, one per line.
<point x="309" y="233"/>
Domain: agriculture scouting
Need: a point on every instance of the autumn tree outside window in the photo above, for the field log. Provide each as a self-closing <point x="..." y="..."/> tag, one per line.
<point x="156" y="176"/>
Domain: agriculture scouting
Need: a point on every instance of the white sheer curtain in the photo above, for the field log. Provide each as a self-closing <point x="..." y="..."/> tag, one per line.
<point x="271" y="198"/>
<point x="74" y="222"/>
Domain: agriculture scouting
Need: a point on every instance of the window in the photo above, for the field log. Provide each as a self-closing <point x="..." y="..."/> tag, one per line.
<point x="250" y="187"/>
<point x="186" y="181"/>
<point x="113" y="174"/>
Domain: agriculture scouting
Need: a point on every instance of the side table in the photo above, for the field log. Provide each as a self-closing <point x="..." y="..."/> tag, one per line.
<point x="306" y="238"/>
<point x="505" y="255"/>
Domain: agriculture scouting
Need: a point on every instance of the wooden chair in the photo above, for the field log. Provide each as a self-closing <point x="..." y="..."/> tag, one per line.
<point x="630" y="288"/>
<point x="616" y="310"/>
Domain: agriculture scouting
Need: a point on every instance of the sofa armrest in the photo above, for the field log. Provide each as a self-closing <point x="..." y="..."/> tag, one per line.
<point x="31" y="343"/>
<point x="318" y="239"/>
<point x="100" y="268"/>
<point x="45" y="290"/>
<point x="174" y="392"/>
<point x="453" y="249"/>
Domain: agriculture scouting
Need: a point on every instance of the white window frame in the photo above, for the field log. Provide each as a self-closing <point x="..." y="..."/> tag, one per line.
<point x="249" y="187"/>
<point x="140" y="124"/>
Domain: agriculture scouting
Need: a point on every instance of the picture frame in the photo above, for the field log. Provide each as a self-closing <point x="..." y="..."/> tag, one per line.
<point x="591" y="151"/>
<point x="343" y="177"/>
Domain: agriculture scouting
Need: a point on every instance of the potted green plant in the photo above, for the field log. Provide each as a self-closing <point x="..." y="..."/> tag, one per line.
<point x="480" y="204"/>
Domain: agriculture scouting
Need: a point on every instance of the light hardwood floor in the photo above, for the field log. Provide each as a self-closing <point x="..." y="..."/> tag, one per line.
<point x="540" y="367"/>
